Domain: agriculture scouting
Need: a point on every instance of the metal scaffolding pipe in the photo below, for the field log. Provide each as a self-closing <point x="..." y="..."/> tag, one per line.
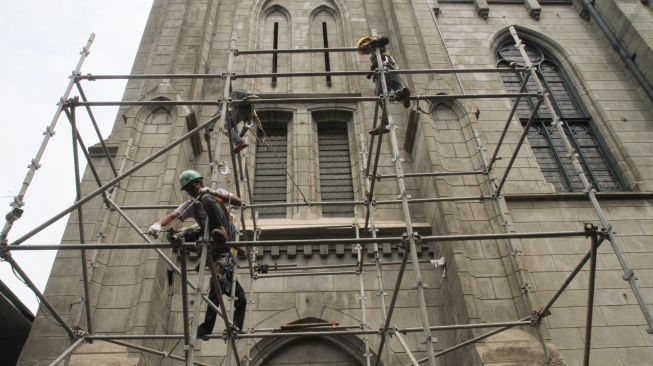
<point x="522" y="138"/>
<point x="294" y="50"/>
<point x="113" y="181"/>
<point x="292" y="274"/>
<point x="434" y="174"/>
<point x="184" y="300"/>
<point x="515" y="105"/>
<point x="68" y="351"/>
<point x="590" y="297"/>
<point x="470" y="341"/>
<point x="300" y="100"/>
<point x="91" y="116"/>
<point x="80" y="219"/>
<point x="404" y="345"/>
<point x="325" y="331"/>
<point x="49" y="132"/>
<point x="91" y="77"/>
<point x="427" y="239"/>
<point x="152" y="351"/>
<point x="7" y="257"/>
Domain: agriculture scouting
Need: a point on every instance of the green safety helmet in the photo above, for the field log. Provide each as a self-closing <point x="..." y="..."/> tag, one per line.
<point x="188" y="176"/>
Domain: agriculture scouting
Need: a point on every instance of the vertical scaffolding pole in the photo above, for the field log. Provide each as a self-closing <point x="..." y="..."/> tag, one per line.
<point x="361" y="282"/>
<point x="184" y="301"/>
<point x="377" y="260"/>
<point x="407" y="218"/>
<point x="80" y="219"/>
<point x="590" y="296"/>
<point x="190" y="348"/>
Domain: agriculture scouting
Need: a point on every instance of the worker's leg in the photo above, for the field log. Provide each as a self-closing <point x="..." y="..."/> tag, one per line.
<point x="209" y="319"/>
<point x="240" y="301"/>
<point x="217" y="217"/>
<point x="241" y="305"/>
<point x="231" y="128"/>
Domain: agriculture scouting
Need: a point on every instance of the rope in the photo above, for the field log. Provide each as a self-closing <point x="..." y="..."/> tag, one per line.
<point x="266" y="141"/>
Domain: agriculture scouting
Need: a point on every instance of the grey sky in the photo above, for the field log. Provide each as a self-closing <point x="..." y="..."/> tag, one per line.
<point x="40" y="42"/>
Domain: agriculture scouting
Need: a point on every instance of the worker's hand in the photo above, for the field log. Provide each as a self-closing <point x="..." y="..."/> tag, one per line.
<point x="205" y="190"/>
<point x="154" y="230"/>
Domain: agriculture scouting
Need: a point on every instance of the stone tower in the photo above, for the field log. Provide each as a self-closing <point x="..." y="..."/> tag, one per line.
<point x="441" y="194"/>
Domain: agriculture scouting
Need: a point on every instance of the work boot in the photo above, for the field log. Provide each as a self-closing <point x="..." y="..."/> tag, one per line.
<point x="219" y="235"/>
<point x="203" y="332"/>
<point x="238" y="148"/>
<point x="379" y="130"/>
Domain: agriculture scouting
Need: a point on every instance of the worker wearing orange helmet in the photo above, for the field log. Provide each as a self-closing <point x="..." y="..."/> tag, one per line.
<point x="366" y="46"/>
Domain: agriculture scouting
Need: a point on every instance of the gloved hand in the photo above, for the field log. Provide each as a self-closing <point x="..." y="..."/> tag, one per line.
<point x="154" y="230"/>
<point x="205" y="190"/>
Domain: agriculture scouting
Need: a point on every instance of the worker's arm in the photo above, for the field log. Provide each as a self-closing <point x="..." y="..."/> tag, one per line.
<point x="157" y="226"/>
<point x="165" y="220"/>
<point x="229" y="198"/>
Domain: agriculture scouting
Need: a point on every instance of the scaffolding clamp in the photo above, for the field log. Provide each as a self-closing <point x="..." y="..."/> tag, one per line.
<point x="4" y="249"/>
<point x="33" y="164"/>
<point x="49" y="131"/>
<point x="590" y="230"/>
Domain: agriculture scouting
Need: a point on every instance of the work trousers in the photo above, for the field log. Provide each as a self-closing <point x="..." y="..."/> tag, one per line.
<point x="240" y="304"/>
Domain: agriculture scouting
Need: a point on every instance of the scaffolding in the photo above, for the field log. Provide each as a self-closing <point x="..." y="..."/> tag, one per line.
<point x="371" y="155"/>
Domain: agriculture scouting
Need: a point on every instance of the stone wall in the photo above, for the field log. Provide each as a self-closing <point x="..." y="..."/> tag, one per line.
<point x="487" y="281"/>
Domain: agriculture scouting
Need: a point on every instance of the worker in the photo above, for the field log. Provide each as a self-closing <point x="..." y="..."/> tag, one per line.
<point x="213" y="204"/>
<point x="240" y="113"/>
<point x="366" y="46"/>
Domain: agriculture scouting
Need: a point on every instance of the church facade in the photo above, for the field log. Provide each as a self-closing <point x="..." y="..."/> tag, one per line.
<point x="506" y="168"/>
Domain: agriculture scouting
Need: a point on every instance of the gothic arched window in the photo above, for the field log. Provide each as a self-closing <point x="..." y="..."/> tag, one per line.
<point x="275" y="35"/>
<point x="545" y="141"/>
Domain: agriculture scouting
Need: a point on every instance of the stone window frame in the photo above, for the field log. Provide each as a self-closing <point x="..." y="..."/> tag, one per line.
<point x="341" y="116"/>
<point x="542" y="138"/>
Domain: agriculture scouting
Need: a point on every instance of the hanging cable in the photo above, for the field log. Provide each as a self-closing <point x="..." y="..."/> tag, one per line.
<point x="266" y="141"/>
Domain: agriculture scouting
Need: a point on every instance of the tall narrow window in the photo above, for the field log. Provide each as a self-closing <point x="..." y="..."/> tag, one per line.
<point x="275" y="46"/>
<point x="274" y="35"/>
<point x="546" y="142"/>
<point x="270" y="180"/>
<point x="325" y="34"/>
<point x="327" y="61"/>
<point x="335" y="164"/>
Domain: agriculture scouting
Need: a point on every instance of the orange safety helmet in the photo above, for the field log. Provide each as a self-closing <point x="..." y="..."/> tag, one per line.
<point x="362" y="42"/>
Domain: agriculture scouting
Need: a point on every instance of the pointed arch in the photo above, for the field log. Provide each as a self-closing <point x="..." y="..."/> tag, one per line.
<point x="346" y="349"/>
<point x="276" y="30"/>
<point x="544" y="139"/>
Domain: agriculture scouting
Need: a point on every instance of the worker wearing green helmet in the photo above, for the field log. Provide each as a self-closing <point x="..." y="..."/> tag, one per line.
<point x="208" y="206"/>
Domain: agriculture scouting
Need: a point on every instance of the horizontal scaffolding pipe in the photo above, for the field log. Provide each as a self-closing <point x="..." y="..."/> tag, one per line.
<point x="95" y="246"/>
<point x="437" y="199"/>
<point x="325" y="203"/>
<point x="153" y="351"/>
<point x="299" y="100"/>
<point x="434" y="174"/>
<point x="305" y="274"/>
<point x="265" y="243"/>
<point x="326" y="332"/>
<point x="459" y="71"/>
<point x="271" y="267"/>
<point x="295" y="50"/>
<point x="91" y="77"/>
<point x="433" y="238"/>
